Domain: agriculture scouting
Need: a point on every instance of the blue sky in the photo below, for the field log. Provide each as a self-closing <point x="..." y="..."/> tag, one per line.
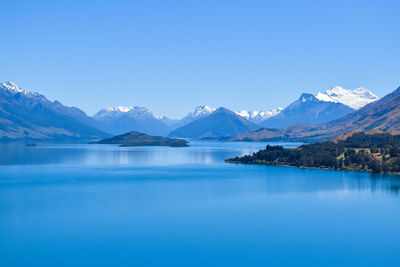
<point x="173" y="55"/>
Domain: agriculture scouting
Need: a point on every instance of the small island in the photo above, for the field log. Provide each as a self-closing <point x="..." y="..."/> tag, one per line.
<point x="375" y="151"/>
<point x="141" y="139"/>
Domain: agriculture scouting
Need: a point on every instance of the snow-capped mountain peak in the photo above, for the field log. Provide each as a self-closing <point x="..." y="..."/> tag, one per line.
<point x="203" y="110"/>
<point x="355" y="99"/>
<point x="135" y="111"/>
<point x="199" y="112"/>
<point x="119" y="109"/>
<point x="13" y="88"/>
<point x="307" y="97"/>
<point x="258" y="116"/>
<point x="253" y="116"/>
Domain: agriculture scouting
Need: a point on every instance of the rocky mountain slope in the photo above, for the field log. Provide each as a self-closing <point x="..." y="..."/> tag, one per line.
<point x="26" y="115"/>
<point x="383" y="114"/>
<point x="307" y="110"/>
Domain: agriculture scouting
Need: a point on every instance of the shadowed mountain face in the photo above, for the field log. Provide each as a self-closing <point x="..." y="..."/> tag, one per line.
<point x="31" y="116"/>
<point x="221" y="123"/>
<point x="307" y="110"/>
<point x="382" y="114"/>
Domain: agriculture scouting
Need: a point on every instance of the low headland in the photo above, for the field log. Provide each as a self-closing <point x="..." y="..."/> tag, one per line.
<point x="375" y="151"/>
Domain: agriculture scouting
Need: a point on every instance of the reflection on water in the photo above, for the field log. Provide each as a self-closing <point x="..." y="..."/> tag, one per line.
<point x="209" y="152"/>
<point x="104" y="205"/>
<point x="206" y="157"/>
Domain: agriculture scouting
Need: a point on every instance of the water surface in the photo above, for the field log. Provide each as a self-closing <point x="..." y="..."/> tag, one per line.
<point x="102" y="205"/>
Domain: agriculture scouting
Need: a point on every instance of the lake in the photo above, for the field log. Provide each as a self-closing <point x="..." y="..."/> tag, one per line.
<point x="103" y="205"/>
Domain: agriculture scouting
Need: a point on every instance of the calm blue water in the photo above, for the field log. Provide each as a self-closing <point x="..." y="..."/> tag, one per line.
<point x="94" y="205"/>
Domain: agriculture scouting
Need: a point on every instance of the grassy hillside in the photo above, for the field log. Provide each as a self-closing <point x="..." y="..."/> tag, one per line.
<point x="377" y="152"/>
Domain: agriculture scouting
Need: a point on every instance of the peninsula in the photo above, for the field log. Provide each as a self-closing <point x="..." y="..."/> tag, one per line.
<point x="375" y="151"/>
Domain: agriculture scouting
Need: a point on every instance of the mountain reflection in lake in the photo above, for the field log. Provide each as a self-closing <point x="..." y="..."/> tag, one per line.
<point x="107" y="205"/>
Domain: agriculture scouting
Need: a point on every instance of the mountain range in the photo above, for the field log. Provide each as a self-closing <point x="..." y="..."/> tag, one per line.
<point x="258" y="116"/>
<point x="383" y="114"/>
<point x="320" y="108"/>
<point x="307" y="110"/>
<point x="29" y="115"/>
<point x="121" y="120"/>
<point x="221" y="123"/>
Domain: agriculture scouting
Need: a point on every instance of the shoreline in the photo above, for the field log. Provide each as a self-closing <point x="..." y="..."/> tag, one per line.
<point x="312" y="168"/>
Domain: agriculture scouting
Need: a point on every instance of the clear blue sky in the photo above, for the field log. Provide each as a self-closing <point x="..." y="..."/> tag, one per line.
<point x="172" y="55"/>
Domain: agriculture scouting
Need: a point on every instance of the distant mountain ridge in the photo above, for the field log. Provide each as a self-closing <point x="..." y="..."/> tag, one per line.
<point x="259" y="116"/>
<point x="355" y="99"/>
<point x="253" y="116"/>
<point x="307" y="110"/>
<point x="119" y="120"/>
<point x="222" y="123"/>
<point x="29" y="115"/>
<point x="382" y="114"/>
<point x="199" y="112"/>
<point x="322" y="107"/>
<point x="26" y="115"/>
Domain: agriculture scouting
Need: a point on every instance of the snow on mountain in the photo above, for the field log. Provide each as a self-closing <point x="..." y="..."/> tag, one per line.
<point x="30" y="115"/>
<point x="220" y="123"/>
<point x="120" y="120"/>
<point x="253" y="116"/>
<point x="258" y="116"/>
<point x="307" y="109"/>
<point x="119" y="109"/>
<point x="355" y="99"/>
<point x="199" y="112"/>
<point x="13" y="88"/>
<point x="202" y="110"/>
<point x="115" y="112"/>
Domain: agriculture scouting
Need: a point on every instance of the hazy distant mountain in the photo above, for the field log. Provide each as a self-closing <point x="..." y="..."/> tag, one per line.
<point x="29" y="115"/>
<point x="383" y="114"/>
<point x="307" y="110"/>
<point x="119" y="120"/>
<point x="199" y="112"/>
<point x="204" y="110"/>
<point x="171" y="123"/>
<point x="355" y="99"/>
<point x="258" y="116"/>
<point x="220" y="123"/>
